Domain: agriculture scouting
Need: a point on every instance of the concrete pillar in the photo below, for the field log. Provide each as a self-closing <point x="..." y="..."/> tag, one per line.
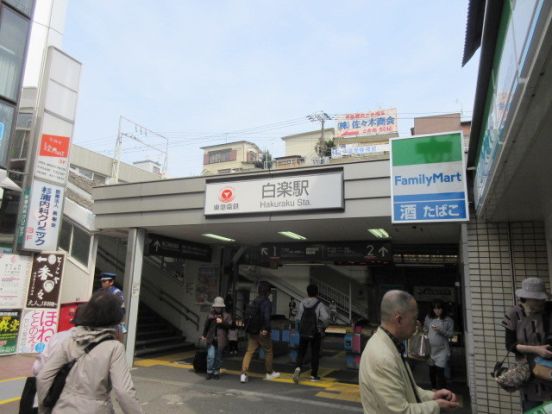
<point x="133" y="279"/>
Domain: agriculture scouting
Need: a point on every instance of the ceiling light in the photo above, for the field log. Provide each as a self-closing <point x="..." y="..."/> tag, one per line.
<point x="292" y="235"/>
<point x="379" y="233"/>
<point x="217" y="237"/>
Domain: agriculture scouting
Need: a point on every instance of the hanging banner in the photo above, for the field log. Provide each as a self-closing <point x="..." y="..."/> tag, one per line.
<point x="9" y="330"/>
<point x="428" y="179"/>
<point x="14" y="274"/>
<point x="36" y="329"/>
<point x="43" y="217"/>
<point x="45" y="281"/>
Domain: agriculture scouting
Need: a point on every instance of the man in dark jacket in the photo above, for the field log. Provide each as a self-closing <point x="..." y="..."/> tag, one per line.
<point x="258" y="332"/>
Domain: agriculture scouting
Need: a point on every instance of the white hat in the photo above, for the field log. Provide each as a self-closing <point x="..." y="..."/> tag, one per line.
<point x="218" y="302"/>
<point x="532" y="288"/>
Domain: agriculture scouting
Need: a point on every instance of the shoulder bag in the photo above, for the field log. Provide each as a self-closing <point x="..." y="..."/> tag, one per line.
<point x="59" y="380"/>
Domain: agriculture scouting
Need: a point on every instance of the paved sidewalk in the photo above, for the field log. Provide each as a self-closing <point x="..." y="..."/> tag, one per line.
<point x="168" y="385"/>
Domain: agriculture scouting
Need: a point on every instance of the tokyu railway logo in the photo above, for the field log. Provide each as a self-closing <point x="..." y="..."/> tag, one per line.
<point x="226" y="195"/>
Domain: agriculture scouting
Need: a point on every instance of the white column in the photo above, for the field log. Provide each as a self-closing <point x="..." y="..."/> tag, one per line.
<point x="133" y="279"/>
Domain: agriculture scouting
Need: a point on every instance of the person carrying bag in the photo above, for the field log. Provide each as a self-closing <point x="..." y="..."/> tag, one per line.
<point x="527" y="327"/>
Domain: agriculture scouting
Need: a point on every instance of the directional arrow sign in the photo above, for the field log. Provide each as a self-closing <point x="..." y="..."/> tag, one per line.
<point x="169" y="247"/>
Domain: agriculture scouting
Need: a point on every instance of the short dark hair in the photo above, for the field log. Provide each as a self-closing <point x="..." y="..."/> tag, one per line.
<point x="264" y="288"/>
<point x="312" y="290"/>
<point x="103" y="309"/>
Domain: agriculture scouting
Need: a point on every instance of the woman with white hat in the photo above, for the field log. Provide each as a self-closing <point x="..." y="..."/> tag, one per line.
<point x="528" y="332"/>
<point x="215" y="334"/>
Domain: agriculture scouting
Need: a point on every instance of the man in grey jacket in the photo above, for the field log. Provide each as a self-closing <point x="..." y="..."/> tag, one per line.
<point x="312" y="318"/>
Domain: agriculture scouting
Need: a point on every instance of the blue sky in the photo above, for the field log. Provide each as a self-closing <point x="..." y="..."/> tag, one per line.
<point x="201" y="72"/>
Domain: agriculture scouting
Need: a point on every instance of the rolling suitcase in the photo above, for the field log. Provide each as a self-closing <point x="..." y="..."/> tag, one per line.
<point x="200" y="361"/>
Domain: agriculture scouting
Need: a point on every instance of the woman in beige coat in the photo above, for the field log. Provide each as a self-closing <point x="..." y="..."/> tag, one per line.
<point x="97" y="373"/>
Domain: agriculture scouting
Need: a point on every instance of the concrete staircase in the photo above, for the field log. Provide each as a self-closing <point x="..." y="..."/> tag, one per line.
<point x="154" y="335"/>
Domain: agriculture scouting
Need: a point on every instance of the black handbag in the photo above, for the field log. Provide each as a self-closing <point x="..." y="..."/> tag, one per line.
<point x="59" y="380"/>
<point x="27" y="396"/>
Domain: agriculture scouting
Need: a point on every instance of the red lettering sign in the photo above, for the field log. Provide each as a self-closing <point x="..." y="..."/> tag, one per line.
<point x="54" y="146"/>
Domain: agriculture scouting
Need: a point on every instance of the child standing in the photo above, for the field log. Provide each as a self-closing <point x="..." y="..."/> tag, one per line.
<point x="233" y="339"/>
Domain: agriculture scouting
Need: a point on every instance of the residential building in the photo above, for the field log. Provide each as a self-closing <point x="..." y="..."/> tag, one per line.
<point x="232" y="157"/>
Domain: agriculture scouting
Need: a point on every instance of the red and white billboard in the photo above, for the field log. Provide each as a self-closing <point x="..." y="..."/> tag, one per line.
<point x="362" y="124"/>
<point x="52" y="161"/>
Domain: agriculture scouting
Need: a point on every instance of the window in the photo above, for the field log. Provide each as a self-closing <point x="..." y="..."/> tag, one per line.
<point x="74" y="241"/>
<point x="6" y="117"/>
<point x="221" y="156"/>
<point x="252" y="156"/>
<point x="24" y="6"/>
<point x="13" y="36"/>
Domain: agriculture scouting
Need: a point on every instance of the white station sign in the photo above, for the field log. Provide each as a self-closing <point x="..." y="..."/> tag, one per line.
<point x="273" y="194"/>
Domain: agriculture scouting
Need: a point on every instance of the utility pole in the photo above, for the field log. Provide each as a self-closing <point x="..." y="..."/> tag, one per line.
<point x="321" y="117"/>
<point x="131" y="130"/>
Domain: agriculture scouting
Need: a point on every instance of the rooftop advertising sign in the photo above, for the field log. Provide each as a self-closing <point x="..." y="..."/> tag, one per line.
<point x="367" y="123"/>
<point x="428" y="179"/>
<point x="358" y="150"/>
<point x="273" y="194"/>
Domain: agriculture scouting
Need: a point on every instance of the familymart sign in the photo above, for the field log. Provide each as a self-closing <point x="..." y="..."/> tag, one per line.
<point x="428" y="179"/>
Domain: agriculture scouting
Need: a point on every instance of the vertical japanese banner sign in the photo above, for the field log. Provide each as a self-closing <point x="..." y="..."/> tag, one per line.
<point x="36" y="329"/>
<point x="9" y="330"/>
<point x="14" y="274"/>
<point x="40" y="320"/>
<point x="428" y="179"/>
<point x="45" y="281"/>
<point x="43" y="216"/>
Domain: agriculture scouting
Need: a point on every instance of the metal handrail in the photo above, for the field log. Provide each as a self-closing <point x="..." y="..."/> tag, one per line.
<point x="344" y="302"/>
<point x="172" y="302"/>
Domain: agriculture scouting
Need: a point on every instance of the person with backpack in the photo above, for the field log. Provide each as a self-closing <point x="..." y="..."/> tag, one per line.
<point x="257" y="326"/>
<point x="312" y="318"/>
<point x="99" y="365"/>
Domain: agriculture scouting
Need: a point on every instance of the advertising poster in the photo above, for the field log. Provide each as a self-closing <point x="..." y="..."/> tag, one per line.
<point x="45" y="282"/>
<point x="43" y="217"/>
<point x="9" y="330"/>
<point x="52" y="161"/>
<point x="36" y="329"/>
<point x="14" y="271"/>
<point x="207" y="285"/>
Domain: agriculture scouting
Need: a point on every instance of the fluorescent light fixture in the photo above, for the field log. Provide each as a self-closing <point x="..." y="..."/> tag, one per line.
<point x="292" y="235"/>
<point x="379" y="233"/>
<point x="217" y="237"/>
